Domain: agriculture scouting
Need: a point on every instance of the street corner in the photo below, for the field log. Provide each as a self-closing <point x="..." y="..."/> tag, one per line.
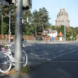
<point x="13" y="71"/>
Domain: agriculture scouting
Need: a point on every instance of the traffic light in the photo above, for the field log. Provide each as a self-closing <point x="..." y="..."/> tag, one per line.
<point x="27" y="4"/>
<point x="10" y="1"/>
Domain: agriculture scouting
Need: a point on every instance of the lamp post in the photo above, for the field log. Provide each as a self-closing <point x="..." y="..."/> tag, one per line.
<point x="43" y="23"/>
<point x="43" y="27"/>
<point x="9" y="25"/>
<point x="63" y="23"/>
<point x="64" y="31"/>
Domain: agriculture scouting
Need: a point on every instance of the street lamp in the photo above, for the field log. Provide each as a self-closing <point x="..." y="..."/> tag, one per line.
<point x="43" y="23"/>
<point x="10" y="24"/>
<point x="63" y="23"/>
<point x="64" y="31"/>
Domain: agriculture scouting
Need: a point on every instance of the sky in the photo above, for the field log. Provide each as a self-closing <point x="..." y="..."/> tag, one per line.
<point x="54" y="6"/>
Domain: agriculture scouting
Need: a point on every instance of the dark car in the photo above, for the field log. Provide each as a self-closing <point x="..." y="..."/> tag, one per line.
<point x="39" y="38"/>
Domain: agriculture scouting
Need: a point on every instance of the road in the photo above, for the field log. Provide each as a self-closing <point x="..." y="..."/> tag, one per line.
<point x="52" y="52"/>
<point x="58" y="60"/>
<point x="52" y="60"/>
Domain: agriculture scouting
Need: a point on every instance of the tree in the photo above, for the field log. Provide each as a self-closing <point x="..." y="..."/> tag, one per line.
<point x="62" y="29"/>
<point x="27" y="23"/>
<point x="40" y="19"/>
<point x="12" y="23"/>
<point x="5" y="8"/>
<point x="44" y="17"/>
<point x="4" y="24"/>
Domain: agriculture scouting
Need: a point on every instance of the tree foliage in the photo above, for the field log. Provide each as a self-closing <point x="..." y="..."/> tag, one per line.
<point x="34" y="22"/>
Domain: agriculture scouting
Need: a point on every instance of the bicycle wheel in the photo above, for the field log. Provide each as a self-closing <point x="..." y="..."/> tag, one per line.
<point x="5" y="63"/>
<point x="24" y="58"/>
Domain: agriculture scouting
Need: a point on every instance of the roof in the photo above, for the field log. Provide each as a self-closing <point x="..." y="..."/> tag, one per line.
<point x="77" y="36"/>
<point x="60" y="34"/>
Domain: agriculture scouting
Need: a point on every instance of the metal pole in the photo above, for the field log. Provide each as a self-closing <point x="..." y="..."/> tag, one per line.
<point x="18" y="36"/>
<point x="27" y="19"/>
<point x="2" y="25"/>
<point x="64" y="31"/>
<point x="9" y="25"/>
<point x="43" y="26"/>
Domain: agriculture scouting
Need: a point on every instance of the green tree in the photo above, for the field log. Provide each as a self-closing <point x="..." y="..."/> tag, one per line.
<point x="40" y="19"/>
<point x="4" y="11"/>
<point x="62" y="29"/>
<point x="4" y="24"/>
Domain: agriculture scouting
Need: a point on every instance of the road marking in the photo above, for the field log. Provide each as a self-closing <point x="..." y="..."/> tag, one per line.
<point x="65" y="61"/>
<point x="43" y="54"/>
<point x="73" y="50"/>
<point x="70" y="48"/>
<point x="63" y="54"/>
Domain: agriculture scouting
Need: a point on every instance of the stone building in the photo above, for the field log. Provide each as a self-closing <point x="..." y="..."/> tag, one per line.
<point x="62" y="18"/>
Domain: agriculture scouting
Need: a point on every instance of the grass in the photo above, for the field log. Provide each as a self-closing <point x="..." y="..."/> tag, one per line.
<point x="27" y="69"/>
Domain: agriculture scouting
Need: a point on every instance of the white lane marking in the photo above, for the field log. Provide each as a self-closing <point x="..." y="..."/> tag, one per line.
<point x="73" y="50"/>
<point x="43" y="54"/>
<point x="61" y="51"/>
<point x="64" y="61"/>
<point x="70" y="48"/>
<point x="63" y="54"/>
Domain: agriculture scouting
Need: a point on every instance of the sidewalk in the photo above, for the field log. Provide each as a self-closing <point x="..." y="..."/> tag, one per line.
<point x="50" y="42"/>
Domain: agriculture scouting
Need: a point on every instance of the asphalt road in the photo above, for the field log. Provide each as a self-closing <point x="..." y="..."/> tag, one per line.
<point x="57" y="60"/>
<point x="52" y="60"/>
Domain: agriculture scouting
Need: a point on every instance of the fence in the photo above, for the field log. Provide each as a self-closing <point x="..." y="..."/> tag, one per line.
<point x="25" y="37"/>
<point x="6" y="37"/>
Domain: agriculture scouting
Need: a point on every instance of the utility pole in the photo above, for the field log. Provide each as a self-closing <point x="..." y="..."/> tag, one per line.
<point x="9" y="25"/>
<point x="63" y="21"/>
<point x="64" y="31"/>
<point x="2" y="25"/>
<point x="18" y="36"/>
<point x="43" y="26"/>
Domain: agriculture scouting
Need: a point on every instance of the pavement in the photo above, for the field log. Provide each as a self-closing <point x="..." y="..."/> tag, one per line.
<point x="51" y="42"/>
<point x="58" y="60"/>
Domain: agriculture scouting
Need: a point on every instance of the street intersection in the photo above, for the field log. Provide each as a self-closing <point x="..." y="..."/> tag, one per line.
<point x="52" y="60"/>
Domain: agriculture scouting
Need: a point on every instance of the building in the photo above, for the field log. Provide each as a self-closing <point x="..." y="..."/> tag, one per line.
<point x="52" y="33"/>
<point x="62" y="18"/>
<point x="60" y="36"/>
<point x="77" y="37"/>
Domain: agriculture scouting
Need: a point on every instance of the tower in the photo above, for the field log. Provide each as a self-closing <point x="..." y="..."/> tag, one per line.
<point x="62" y="18"/>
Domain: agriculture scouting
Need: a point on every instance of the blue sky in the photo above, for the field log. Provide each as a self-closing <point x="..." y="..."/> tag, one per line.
<point x="54" y="6"/>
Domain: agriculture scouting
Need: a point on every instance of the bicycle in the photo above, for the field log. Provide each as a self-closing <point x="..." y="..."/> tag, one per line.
<point x="8" y="60"/>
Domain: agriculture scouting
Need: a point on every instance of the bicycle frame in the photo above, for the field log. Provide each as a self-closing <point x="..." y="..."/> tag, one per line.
<point x="10" y="60"/>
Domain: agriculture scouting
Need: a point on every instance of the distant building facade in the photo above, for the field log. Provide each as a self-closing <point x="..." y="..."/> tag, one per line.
<point x="62" y="18"/>
<point x="52" y="33"/>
